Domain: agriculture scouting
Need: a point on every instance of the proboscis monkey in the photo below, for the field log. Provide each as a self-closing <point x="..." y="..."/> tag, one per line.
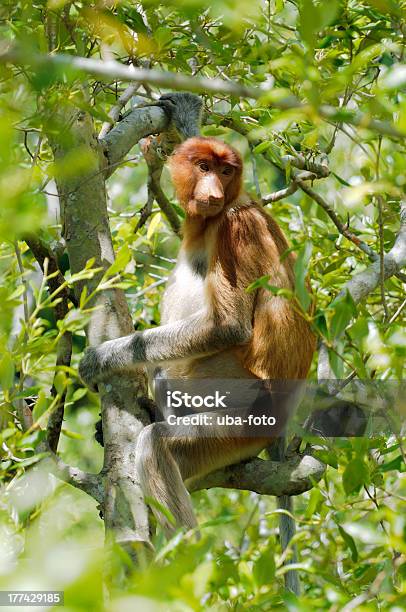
<point x="211" y="326"/>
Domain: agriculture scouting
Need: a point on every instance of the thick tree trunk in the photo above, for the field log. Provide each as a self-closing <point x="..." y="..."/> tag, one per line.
<point x="87" y="235"/>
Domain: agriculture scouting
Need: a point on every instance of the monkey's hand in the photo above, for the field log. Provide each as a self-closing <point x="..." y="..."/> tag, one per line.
<point x="91" y="367"/>
<point x="99" y="362"/>
<point x="185" y="112"/>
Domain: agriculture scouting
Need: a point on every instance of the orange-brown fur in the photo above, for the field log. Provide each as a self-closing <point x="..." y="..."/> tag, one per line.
<point x="245" y="243"/>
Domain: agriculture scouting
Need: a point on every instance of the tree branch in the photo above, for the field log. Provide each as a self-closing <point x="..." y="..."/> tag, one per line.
<point x="292" y="188"/>
<point x="138" y="124"/>
<point x="282" y="193"/>
<point x="152" y="149"/>
<point x="344" y="230"/>
<point x="42" y="254"/>
<point x="55" y="420"/>
<point x="92" y="484"/>
<point x="112" y="69"/>
<point x="291" y="477"/>
<point x="365" y="282"/>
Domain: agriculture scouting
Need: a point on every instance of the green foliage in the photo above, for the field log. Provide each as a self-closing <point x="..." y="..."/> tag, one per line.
<point x="349" y="54"/>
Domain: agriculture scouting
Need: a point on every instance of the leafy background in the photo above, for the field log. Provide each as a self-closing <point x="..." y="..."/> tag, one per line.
<point x="349" y="54"/>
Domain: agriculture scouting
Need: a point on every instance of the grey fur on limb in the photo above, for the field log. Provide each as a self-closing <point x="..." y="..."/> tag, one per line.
<point x="199" y="337"/>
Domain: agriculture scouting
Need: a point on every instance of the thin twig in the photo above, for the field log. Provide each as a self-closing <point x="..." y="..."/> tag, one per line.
<point x="166" y="207"/>
<point x="396" y="314"/>
<point x="292" y="188"/>
<point x="114" y="114"/>
<point x="146" y="210"/>
<point x="279" y="195"/>
<point x="153" y="151"/>
<point x="41" y="252"/>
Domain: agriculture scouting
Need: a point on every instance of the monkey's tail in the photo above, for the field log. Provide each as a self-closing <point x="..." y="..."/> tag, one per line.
<point x="161" y="481"/>
<point x="287" y="530"/>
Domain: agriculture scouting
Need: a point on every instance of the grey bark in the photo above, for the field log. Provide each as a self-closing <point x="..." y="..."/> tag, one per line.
<point x="139" y="123"/>
<point x="292" y="477"/>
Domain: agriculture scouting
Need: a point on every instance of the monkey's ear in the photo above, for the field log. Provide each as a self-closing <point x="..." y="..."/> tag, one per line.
<point x="184" y="110"/>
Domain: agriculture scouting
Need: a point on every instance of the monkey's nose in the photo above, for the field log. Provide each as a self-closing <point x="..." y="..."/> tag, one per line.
<point x="216" y="200"/>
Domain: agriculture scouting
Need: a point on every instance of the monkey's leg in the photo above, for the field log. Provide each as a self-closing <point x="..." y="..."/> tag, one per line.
<point x="168" y="455"/>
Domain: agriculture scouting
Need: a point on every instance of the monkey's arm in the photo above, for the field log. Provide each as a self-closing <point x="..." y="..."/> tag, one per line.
<point x="191" y="337"/>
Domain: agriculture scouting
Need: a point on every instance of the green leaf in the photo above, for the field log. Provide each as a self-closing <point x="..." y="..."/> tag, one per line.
<point x="396" y="464"/>
<point x="350" y="542"/>
<point x="83" y="297"/>
<point x="163" y="35"/>
<point x="264" y="568"/>
<point x="7" y="372"/>
<point x="320" y="323"/>
<point x="356" y="474"/>
<point x="359" y="329"/>
<point x="27" y="392"/>
<point x="315" y="500"/>
<point x="78" y="394"/>
<point x="153" y="226"/>
<point x="279" y="6"/>
<point x="328" y="456"/>
<point x="301" y="269"/>
<point x="7" y="433"/>
<point x="386" y="6"/>
<point x="41" y="405"/>
<point x="344" y="309"/>
<point x="30" y="461"/>
<point x="60" y="382"/>
<point x="122" y="259"/>
<point x="263" y="146"/>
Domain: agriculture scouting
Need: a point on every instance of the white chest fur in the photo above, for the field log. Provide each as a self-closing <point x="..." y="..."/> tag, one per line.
<point x="185" y="293"/>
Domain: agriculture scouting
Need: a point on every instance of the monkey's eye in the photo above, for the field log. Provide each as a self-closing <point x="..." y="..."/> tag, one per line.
<point x="227" y="170"/>
<point x="203" y="166"/>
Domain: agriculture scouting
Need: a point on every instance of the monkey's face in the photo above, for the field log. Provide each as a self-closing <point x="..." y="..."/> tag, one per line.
<point x="206" y="174"/>
<point x="211" y="180"/>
